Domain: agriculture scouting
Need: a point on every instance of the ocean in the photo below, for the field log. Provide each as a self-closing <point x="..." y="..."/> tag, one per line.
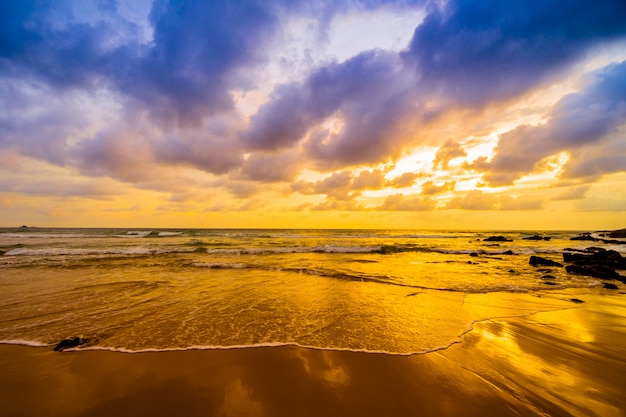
<point x="391" y="291"/>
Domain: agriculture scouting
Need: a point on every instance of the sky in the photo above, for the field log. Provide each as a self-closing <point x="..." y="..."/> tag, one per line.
<point x="457" y="114"/>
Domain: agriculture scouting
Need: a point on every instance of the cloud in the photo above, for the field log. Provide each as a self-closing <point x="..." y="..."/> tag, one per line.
<point x="430" y="188"/>
<point x="405" y="180"/>
<point x="99" y="189"/>
<point x="271" y="167"/>
<point x="181" y="76"/>
<point x="578" y="120"/>
<point x="338" y="186"/>
<point x="477" y="51"/>
<point x="153" y="96"/>
<point x="338" y="205"/>
<point x="447" y="152"/>
<point x="573" y="193"/>
<point x="398" y="202"/>
<point x="344" y="185"/>
<point x="364" y="92"/>
<point x="477" y="200"/>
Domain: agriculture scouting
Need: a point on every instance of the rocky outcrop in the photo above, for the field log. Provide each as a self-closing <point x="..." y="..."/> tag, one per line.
<point x="70" y="343"/>
<point x="596" y="256"/>
<point x="537" y="237"/>
<point x="596" y="271"/>
<point x="497" y="239"/>
<point x="596" y="262"/>
<point x="585" y="236"/>
<point x="618" y="234"/>
<point x="538" y="260"/>
<point x="588" y="237"/>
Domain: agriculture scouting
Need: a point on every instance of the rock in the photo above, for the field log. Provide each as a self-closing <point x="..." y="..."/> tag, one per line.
<point x="548" y="277"/>
<point x="619" y="234"/>
<point x="585" y="236"/>
<point x="508" y="252"/>
<point x="473" y="254"/>
<point x="574" y="250"/>
<point x="537" y="237"/>
<point x="576" y="300"/>
<point x="549" y="283"/>
<point x="538" y="260"/>
<point x="497" y="239"/>
<point x="610" y="286"/>
<point x="576" y="257"/>
<point x="512" y="271"/>
<point x="597" y="256"/>
<point x="70" y="343"/>
<point x="596" y="271"/>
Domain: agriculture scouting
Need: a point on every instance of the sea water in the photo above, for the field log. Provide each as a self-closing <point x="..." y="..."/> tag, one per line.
<point x="392" y="291"/>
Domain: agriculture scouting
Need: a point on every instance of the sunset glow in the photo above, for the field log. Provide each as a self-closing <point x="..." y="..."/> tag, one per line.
<point x="413" y="114"/>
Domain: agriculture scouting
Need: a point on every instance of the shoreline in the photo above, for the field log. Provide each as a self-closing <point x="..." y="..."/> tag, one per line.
<point x="569" y="362"/>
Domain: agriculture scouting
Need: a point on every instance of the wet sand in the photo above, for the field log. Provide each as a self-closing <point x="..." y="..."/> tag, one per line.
<point x="560" y="363"/>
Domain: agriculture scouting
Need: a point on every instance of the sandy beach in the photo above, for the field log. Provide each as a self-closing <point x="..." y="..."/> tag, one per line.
<point x="558" y="363"/>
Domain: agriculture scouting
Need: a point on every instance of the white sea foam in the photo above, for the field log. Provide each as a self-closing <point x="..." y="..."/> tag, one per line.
<point x="137" y="233"/>
<point x="23" y="342"/>
<point x="220" y="265"/>
<point x="269" y="345"/>
<point x="78" y="251"/>
<point x="34" y="235"/>
<point x="296" y="249"/>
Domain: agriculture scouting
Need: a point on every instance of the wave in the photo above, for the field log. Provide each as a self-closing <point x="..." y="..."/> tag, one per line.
<point x="34" y="235"/>
<point x="295" y="249"/>
<point x="200" y="247"/>
<point x="32" y="343"/>
<point x="22" y="342"/>
<point x="221" y="265"/>
<point x="128" y="251"/>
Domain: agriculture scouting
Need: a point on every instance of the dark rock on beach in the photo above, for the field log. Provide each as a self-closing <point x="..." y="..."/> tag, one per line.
<point x="538" y="260"/>
<point x="576" y="300"/>
<point x="596" y="256"/>
<point x="618" y="234"/>
<point x="497" y="239"/>
<point x="596" y="262"/>
<point x="70" y="343"/>
<point x="610" y="286"/>
<point x="596" y="271"/>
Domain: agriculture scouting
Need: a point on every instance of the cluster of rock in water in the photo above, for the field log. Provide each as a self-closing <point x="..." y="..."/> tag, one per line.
<point x="592" y="262"/>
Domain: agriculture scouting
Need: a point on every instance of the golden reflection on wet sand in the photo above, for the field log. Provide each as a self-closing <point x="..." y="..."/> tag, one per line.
<point x="559" y="363"/>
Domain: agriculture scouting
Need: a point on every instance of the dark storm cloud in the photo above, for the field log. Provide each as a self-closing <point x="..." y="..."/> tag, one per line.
<point x="181" y="76"/>
<point x="481" y="50"/>
<point x="352" y="88"/>
<point x="577" y="121"/>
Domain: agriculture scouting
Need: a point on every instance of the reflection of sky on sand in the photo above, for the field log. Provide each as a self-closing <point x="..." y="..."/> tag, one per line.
<point x="324" y="367"/>
<point x="238" y="402"/>
<point x="564" y="357"/>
